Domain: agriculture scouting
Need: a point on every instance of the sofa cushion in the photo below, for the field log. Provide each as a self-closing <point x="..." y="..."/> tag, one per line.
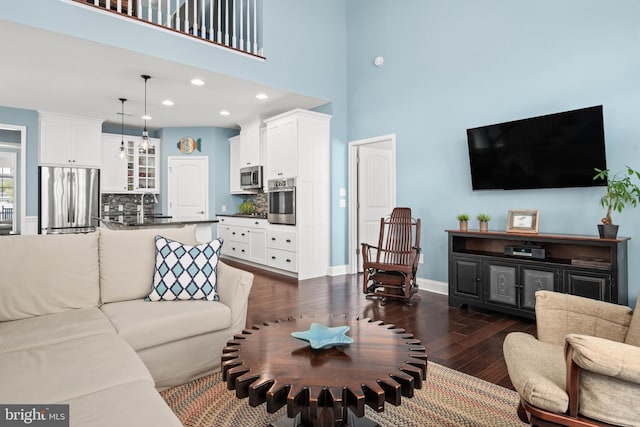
<point x="145" y="324"/>
<point x="53" y="328"/>
<point x="133" y="404"/>
<point x="633" y="334"/>
<point x="127" y="259"/>
<point x="537" y="371"/>
<point x="46" y="274"/>
<point x="63" y="371"/>
<point x="185" y="272"/>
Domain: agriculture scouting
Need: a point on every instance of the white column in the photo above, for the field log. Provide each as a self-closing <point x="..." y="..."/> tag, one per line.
<point x="178" y="15"/>
<point x="149" y="13"/>
<point x="139" y="9"/>
<point x="203" y="24"/>
<point x="234" y="41"/>
<point x="219" y="22"/>
<point x="159" y="16"/>
<point x="248" y="49"/>
<point x="226" y="22"/>
<point x="108" y="5"/>
<point x="241" y="24"/>
<point x="255" y="28"/>
<point x="168" y="23"/>
<point x="129" y="8"/>
<point x="119" y="6"/>
<point x="211" y="6"/>
<point x="186" y="16"/>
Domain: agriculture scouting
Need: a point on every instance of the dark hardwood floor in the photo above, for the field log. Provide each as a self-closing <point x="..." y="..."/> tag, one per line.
<point x="466" y="340"/>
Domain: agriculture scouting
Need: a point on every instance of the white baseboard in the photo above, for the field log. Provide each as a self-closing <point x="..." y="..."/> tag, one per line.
<point x="30" y="225"/>
<point x="429" y="285"/>
<point x="338" y="270"/>
<point x="434" y="286"/>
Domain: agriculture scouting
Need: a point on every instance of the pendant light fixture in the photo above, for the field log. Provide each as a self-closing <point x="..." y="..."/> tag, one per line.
<point x="123" y="151"/>
<point x="145" y="134"/>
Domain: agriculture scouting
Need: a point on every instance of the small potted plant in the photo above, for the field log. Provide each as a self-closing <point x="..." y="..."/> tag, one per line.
<point x="621" y="190"/>
<point x="463" y="219"/>
<point x="484" y="218"/>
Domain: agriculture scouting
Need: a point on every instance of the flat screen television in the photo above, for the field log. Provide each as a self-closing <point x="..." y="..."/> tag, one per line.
<point x="552" y="151"/>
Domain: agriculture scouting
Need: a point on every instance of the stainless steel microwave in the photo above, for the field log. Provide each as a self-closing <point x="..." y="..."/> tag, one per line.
<point x="251" y="177"/>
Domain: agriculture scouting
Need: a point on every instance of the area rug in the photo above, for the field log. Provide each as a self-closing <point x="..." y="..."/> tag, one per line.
<point x="447" y="398"/>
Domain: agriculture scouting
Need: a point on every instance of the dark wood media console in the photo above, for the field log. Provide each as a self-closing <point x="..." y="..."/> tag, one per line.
<point x="482" y="275"/>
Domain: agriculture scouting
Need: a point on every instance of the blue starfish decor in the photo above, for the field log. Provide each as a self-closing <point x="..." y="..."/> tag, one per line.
<point x="320" y="336"/>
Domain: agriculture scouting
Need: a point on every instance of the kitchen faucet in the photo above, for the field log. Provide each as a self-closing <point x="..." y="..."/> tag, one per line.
<point x="155" y="200"/>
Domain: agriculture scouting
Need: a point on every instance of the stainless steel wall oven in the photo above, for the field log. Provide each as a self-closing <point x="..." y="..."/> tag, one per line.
<point x="282" y="201"/>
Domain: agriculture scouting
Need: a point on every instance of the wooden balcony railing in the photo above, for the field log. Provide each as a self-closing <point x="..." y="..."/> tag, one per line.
<point x="233" y="24"/>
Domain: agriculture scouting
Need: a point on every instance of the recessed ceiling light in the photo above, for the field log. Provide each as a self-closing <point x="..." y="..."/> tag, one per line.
<point x="197" y="82"/>
<point x="224" y="113"/>
<point x="167" y="102"/>
<point x="146" y="117"/>
<point x="262" y="96"/>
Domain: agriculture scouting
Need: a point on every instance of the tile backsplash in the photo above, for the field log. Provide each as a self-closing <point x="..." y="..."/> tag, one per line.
<point x="127" y="204"/>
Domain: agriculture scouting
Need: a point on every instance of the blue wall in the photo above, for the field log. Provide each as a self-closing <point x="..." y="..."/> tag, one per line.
<point x="214" y="145"/>
<point x="454" y="65"/>
<point x="448" y="66"/>
<point x="29" y="119"/>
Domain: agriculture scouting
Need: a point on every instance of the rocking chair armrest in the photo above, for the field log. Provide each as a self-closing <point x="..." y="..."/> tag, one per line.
<point x="366" y="251"/>
<point x="605" y="357"/>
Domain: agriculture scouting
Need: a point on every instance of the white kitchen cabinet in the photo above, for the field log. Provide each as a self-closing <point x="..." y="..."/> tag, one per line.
<point x="139" y="172"/>
<point x="281" y="150"/>
<point x="282" y="250"/>
<point x="234" y="167"/>
<point x="251" y="132"/>
<point x="244" y="238"/>
<point x="69" y="140"/>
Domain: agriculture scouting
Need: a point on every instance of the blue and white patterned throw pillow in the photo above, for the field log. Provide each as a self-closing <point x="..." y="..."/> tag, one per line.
<point x="185" y="272"/>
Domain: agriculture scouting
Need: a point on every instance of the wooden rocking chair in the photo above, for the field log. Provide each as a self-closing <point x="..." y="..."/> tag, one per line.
<point x="390" y="268"/>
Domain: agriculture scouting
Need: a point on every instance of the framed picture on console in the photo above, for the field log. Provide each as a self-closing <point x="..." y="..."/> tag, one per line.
<point x="523" y="221"/>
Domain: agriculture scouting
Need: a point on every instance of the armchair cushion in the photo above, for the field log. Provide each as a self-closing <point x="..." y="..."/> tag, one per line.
<point x="537" y="371"/>
<point x="559" y="314"/>
<point x="602" y="356"/>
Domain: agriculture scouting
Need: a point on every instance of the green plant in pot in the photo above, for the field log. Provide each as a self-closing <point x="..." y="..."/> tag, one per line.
<point x="621" y="191"/>
<point x="463" y="219"/>
<point x="484" y="219"/>
<point x="247" y="207"/>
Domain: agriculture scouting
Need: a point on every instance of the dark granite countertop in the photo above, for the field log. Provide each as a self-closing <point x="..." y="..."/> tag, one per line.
<point x="240" y="215"/>
<point x="131" y="221"/>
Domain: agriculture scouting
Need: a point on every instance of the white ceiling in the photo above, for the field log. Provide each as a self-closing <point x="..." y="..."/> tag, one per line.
<point x="48" y="71"/>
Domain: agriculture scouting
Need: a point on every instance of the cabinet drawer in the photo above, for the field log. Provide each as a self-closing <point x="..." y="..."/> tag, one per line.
<point x="236" y="249"/>
<point x="285" y="260"/>
<point x="238" y="234"/>
<point x="285" y="240"/>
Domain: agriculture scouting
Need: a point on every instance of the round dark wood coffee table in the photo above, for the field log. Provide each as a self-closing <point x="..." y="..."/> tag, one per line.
<point x="324" y="387"/>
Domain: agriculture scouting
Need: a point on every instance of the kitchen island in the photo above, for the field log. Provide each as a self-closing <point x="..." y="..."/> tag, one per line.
<point x="131" y="222"/>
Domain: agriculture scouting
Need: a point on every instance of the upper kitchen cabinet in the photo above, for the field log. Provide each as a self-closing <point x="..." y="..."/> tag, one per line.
<point x="69" y="140"/>
<point x="281" y="151"/>
<point x="251" y="135"/>
<point x="234" y="167"/>
<point x="138" y="172"/>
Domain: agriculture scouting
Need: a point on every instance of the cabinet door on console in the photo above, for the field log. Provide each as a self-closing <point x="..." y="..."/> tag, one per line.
<point x="594" y="285"/>
<point x="466" y="277"/>
<point x="502" y="284"/>
<point x="535" y="279"/>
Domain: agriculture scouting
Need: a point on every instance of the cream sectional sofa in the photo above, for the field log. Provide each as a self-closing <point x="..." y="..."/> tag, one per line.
<point x="75" y="328"/>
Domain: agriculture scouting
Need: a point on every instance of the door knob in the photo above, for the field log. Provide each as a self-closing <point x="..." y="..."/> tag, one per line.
<point x="200" y="212"/>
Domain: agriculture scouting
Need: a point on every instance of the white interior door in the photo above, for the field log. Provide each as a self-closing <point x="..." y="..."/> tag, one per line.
<point x="188" y="187"/>
<point x="375" y="189"/>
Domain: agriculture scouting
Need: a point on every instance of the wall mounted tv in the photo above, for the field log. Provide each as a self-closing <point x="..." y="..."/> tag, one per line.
<point x="552" y="151"/>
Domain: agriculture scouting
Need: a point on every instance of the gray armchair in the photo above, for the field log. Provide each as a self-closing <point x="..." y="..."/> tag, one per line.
<point x="584" y="367"/>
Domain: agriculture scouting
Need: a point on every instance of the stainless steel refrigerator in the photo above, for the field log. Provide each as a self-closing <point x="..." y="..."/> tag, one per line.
<point x="69" y="199"/>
